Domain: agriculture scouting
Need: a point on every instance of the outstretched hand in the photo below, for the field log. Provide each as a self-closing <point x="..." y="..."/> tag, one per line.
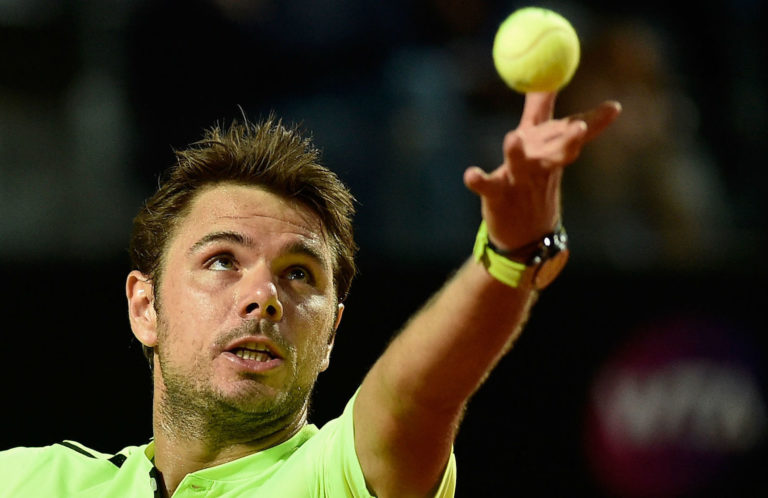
<point x="521" y="198"/>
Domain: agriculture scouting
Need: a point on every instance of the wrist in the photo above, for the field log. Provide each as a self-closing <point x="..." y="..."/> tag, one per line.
<point x="535" y="264"/>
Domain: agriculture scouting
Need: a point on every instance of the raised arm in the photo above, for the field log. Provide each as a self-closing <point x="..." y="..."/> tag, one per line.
<point x="410" y="403"/>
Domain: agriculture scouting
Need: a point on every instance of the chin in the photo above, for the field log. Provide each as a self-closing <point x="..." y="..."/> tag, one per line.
<point x="256" y="397"/>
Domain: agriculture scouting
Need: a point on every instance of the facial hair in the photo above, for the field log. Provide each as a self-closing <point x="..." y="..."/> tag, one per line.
<point x="190" y="407"/>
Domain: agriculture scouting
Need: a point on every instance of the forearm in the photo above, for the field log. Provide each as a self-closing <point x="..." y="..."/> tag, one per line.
<point x="415" y="394"/>
<point x="448" y="348"/>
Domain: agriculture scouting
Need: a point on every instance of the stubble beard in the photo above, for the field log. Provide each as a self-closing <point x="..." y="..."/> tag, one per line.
<point x="190" y="407"/>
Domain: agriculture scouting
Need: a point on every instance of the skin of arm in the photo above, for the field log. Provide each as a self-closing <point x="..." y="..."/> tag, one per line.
<point x="410" y="403"/>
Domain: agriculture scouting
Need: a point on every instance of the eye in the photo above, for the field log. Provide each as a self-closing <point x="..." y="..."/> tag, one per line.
<point x="221" y="262"/>
<point x="298" y="273"/>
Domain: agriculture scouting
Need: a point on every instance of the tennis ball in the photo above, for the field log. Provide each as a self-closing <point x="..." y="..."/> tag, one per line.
<point x="536" y="50"/>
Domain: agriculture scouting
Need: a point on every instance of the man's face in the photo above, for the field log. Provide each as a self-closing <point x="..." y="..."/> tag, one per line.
<point x="247" y="305"/>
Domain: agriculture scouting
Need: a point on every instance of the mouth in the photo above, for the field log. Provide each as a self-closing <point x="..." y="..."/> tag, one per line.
<point x="255" y="355"/>
<point x="254" y="351"/>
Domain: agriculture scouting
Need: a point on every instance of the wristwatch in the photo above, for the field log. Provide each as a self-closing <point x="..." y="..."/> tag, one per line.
<point x="535" y="264"/>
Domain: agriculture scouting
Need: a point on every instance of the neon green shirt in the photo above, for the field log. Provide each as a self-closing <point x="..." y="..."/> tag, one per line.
<point x="313" y="463"/>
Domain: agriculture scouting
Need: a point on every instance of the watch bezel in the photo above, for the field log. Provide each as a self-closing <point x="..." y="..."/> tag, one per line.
<point x="549" y="246"/>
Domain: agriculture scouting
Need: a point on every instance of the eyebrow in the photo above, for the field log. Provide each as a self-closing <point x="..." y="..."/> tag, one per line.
<point x="298" y="247"/>
<point x="234" y="237"/>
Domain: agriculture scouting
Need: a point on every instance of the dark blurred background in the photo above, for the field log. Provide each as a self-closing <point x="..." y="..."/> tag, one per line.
<point x="642" y="369"/>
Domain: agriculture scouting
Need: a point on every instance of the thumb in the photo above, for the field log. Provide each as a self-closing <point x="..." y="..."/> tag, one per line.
<point x="479" y="182"/>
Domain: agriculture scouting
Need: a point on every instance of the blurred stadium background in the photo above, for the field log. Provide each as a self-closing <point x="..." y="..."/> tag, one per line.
<point x="642" y="371"/>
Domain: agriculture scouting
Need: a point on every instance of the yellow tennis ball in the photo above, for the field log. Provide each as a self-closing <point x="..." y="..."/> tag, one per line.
<point x="536" y="50"/>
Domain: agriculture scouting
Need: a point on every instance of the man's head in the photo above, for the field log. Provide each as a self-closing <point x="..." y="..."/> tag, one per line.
<point x="267" y="155"/>
<point x="242" y="259"/>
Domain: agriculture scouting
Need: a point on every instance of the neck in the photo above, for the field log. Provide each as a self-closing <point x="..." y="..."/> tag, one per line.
<point x="188" y="442"/>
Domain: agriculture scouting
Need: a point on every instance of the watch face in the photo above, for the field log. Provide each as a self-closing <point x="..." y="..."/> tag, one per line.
<point x="550" y="269"/>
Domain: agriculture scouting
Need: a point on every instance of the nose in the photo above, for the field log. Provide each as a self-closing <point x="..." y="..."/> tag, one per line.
<point x="260" y="297"/>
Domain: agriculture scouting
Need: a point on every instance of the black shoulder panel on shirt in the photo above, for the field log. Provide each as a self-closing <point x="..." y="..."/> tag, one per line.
<point x="76" y="448"/>
<point x="116" y="460"/>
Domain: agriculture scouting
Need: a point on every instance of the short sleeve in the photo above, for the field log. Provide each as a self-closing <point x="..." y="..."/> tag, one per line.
<point x="343" y="475"/>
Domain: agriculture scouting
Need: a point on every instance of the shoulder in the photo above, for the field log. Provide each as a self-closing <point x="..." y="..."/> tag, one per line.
<point x="52" y="470"/>
<point x="331" y="453"/>
<point x="26" y="457"/>
<point x="64" y="451"/>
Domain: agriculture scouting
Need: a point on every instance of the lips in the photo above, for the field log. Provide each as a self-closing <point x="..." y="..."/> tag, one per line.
<point x="256" y="354"/>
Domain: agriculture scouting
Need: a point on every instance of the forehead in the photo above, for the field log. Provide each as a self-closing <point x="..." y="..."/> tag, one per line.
<point x="248" y="209"/>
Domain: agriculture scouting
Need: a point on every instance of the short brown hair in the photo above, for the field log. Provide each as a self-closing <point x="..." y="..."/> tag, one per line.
<point x="269" y="155"/>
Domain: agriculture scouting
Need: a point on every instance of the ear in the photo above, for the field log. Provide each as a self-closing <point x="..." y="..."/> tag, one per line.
<point x="141" y="307"/>
<point x="332" y="338"/>
<point x="339" y="312"/>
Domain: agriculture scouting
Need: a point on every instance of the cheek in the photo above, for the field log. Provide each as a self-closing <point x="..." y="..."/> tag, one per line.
<point x="315" y="318"/>
<point x="180" y="348"/>
<point x="194" y="301"/>
<point x="184" y="314"/>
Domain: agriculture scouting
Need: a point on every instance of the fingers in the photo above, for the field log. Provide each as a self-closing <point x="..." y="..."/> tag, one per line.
<point x="538" y="108"/>
<point x="541" y="145"/>
<point x="562" y="149"/>
<point x="599" y="118"/>
<point x="553" y="144"/>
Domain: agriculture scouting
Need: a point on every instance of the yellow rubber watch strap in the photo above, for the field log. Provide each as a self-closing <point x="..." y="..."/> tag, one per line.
<point x="502" y="269"/>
